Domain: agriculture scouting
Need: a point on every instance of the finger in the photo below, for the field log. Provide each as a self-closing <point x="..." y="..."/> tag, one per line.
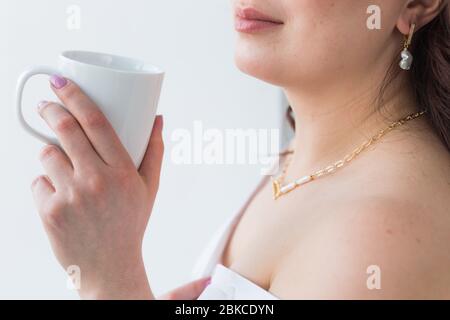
<point x="94" y="123"/>
<point x="56" y="165"/>
<point x="151" y="164"/>
<point x="71" y="136"/>
<point x="190" y="291"/>
<point x="42" y="190"/>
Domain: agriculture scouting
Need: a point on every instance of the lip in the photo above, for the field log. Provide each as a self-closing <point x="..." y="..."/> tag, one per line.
<point x="250" y="20"/>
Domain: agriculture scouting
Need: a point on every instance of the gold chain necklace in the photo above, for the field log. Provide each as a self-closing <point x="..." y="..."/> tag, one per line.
<point x="280" y="190"/>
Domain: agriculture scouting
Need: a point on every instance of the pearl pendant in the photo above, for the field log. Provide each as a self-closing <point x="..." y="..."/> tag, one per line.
<point x="279" y="190"/>
<point x="407" y="60"/>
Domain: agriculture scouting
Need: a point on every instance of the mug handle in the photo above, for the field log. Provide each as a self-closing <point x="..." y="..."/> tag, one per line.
<point x="23" y="79"/>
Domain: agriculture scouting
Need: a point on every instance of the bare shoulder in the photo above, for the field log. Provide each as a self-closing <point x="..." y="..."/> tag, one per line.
<point x="377" y="249"/>
<point x="388" y="237"/>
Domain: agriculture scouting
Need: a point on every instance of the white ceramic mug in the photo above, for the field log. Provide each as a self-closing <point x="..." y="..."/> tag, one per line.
<point x="126" y="90"/>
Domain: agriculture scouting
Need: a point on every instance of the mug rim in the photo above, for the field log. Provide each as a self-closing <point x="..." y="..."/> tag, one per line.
<point x="148" y="69"/>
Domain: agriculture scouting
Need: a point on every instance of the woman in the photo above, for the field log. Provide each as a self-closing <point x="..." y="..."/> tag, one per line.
<point x="374" y="225"/>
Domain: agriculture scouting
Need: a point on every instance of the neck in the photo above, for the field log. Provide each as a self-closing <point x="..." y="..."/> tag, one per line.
<point x="332" y="122"/>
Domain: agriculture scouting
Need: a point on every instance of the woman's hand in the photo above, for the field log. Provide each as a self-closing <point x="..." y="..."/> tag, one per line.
<point x="94" y="204"/>
<point x="190" y="291"/>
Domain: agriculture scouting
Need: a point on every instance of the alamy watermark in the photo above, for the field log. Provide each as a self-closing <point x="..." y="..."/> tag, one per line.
<point x="73" y="277"/>
<point x="374" y="20"/>
<point x="212" y="146"/>
<point x="73" y="21"/>
<point x="374" y="280"/>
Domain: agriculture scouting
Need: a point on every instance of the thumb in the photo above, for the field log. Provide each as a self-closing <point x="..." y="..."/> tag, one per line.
<point x="151" y="164"/>
<point x="190" y="291"/>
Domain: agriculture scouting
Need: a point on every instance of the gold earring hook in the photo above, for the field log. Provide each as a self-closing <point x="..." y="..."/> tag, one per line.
<point x="408" y="38"/>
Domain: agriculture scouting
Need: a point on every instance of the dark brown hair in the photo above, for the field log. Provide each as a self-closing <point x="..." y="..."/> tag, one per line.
<point x="429" y="75"/>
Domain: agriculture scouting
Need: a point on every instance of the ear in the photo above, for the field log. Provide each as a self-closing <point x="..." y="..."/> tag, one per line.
<point x="420" y="12"/>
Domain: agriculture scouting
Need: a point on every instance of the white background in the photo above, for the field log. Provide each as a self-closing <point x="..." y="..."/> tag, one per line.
<point x="193" y="42"/>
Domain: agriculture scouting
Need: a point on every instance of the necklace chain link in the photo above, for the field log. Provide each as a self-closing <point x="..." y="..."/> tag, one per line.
<point x="280" y="190"/>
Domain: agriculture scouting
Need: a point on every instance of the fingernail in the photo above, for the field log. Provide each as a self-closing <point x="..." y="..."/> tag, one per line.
<point x="208" y="282"/>
<point x="162" y="122"/>
<point x="41" y="105"/>
<point x="159" y="122"/>
<point x="58" y="82"/>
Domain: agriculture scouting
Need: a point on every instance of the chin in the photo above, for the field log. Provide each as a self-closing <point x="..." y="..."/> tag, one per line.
<point x="279" y="68"/>
<point x="259" y="62"/>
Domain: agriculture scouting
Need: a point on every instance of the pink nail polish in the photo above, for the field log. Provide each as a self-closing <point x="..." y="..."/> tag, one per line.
<point x="41" y="105"/>
<point x="208" y="282"/>
<point x="58" y="82"/>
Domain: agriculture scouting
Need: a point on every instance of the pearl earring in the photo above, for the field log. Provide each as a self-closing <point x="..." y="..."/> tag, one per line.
<point x="406" y="55"/>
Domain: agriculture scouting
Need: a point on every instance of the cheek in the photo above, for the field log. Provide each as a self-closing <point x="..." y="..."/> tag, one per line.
<point x="319" y="39"/>
<point x="301" y="48"/>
